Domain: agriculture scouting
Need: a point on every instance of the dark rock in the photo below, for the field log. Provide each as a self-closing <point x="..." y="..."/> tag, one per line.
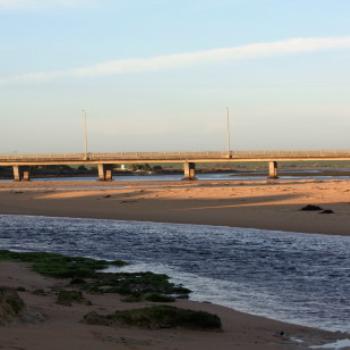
<point x="327" y="211"/>
<point x="311" y="207"/>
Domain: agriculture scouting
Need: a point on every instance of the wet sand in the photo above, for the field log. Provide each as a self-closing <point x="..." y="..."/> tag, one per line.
<point x="47" y="325"/>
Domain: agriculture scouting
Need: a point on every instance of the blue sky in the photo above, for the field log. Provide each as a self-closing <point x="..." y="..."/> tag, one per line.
<point x="157" y="75"/>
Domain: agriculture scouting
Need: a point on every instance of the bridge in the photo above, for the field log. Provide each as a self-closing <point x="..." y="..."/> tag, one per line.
<point x="21" y="163"/>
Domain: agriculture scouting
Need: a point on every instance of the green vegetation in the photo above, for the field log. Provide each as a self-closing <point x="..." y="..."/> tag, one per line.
<point x="67" y="297"/>
<point x="155" y="317"/>
<point x="40" y="292"/>
<point x="60" y="266"/>
<point x="159" y="298"/>
<point x="85" y="275"/>
<point x="136" y="284"/>
<point x="77" y="281"/>
<point x="141" y="167"/>
<point x="132" y="298"/>
<point x="11" y="298"/>
<point x="153" y="297"/>
<point x="11" y="305"/>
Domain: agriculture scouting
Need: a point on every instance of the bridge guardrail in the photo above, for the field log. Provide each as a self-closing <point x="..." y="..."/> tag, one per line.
<point x="176" y="156"/>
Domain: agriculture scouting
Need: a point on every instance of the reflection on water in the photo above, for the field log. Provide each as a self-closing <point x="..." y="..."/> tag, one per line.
<point x="297" y="278"/>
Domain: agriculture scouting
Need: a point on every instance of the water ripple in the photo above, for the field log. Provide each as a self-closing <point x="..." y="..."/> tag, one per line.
<point x="299" y="278"/>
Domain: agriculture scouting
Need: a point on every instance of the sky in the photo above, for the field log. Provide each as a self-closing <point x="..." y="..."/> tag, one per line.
<point x="157" y="75"/>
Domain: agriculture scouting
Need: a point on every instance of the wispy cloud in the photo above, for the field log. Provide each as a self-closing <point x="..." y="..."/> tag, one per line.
<point x="183" y="60"/>
<point x="37" y="4"/>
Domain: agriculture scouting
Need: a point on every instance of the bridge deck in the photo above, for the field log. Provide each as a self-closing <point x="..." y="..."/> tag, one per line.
<point x="169" y="157"/>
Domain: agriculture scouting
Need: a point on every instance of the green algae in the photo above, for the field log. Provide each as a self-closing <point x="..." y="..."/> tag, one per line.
<point x="60" y="266"/>
<point x="140" y="283"/>
<point x="86" y="275"/>
<point x="157" y="317"/>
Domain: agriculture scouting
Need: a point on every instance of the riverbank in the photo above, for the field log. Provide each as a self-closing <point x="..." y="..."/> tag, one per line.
<point x="245" y="204"/>
<point x="48" y="325"/>
<point x="273" y="206"/>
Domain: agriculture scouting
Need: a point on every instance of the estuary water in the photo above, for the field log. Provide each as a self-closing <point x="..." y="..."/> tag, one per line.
<point x="294" y="277"/>
<point x="179" y="177"/>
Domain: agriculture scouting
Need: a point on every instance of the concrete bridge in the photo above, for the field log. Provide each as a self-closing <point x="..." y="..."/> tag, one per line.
<point x="21" y="164"/>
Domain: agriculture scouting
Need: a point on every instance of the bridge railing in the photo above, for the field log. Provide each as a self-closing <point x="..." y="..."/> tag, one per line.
<point x="113" y="156"/>
<point x="175" y="156"/>
<point x="157" y="155"/>
<point x="42" y="156"/>
<point x="317" y="154"/>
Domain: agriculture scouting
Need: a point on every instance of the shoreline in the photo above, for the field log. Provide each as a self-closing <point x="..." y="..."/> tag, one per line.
<point x="218" y="206"/>
<point x="46" y="319"/>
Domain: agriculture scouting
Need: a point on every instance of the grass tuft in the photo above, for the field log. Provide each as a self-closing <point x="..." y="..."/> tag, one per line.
<point x="11" y="305"/>
<point x="68" y="297"/>
<point x="156" y="317"/>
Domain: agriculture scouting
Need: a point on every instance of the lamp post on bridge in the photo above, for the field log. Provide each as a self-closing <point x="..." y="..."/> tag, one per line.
<point x="85" y="136"/>
<point x="228" y="132"/>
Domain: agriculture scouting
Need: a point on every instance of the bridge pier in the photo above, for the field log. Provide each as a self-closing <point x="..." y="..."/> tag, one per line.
<point x="273" y="170"/>
<point x="189" y="171"/>
<point x="105" y="172"/>
<point x="21" y="173"/>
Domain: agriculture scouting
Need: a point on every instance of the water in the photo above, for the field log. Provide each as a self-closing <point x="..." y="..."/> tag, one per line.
<point x="179" y="177"/>
<point x="299" y="278"/>
<point x="137" y="178"/>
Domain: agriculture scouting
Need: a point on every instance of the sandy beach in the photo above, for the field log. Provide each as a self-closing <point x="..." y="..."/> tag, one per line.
<point x="273" y="206"/>
<point x="48" y="325"/>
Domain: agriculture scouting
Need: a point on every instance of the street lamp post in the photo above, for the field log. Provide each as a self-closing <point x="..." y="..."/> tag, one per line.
<point x="228" y="131"/>
<point x="85" y="135"/>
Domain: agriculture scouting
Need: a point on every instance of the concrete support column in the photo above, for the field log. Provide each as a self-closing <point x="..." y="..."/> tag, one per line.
<point x="189" y="171"/>
<point x="26" y="175"/>
<point x="273" y="170"/>
<point x="21" y="173"/>
<point x="16" y="173"/>
<point x="105" y="172"/>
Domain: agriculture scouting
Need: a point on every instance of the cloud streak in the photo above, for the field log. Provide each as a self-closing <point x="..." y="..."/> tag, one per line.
<point x="184" y="60"/>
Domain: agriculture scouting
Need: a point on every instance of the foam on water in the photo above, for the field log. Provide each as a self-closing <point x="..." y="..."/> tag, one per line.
<point x="298" y="278"/>
<point x="338" y="345"/>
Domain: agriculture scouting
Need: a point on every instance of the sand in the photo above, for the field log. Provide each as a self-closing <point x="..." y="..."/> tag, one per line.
<point x="48" y="325"/>
<point x="236" y="204"/>
<point x="241" y="204"/>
